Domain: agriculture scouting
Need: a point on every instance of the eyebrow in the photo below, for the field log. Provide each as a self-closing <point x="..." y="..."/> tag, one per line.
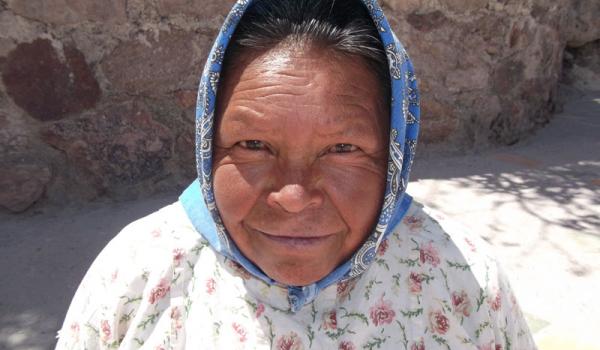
<point x="354" y="130"/>
<point x="249" y="118"/>
<point x="350" y="131"/>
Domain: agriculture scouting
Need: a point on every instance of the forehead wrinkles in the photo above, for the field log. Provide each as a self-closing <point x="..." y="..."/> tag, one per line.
<point x="331" y="80"/>
<point x="323" y="76"/>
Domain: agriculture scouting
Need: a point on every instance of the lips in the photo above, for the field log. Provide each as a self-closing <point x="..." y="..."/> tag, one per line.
<point x="296" y="241"/>
<point x="293" y="240"/>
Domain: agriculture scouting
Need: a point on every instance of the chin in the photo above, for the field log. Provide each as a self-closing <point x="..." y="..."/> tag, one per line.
<point x="296" y="276"/>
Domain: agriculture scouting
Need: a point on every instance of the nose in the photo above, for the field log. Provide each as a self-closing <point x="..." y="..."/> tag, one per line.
<point x="294" y="198"/>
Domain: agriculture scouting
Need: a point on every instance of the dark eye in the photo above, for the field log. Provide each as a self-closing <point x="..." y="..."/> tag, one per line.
<point x="253" y="145"/>
<point x="343" y="148"/>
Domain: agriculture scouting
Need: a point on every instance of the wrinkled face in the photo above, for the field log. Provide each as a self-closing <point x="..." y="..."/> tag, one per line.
<point x="300" y="160"/>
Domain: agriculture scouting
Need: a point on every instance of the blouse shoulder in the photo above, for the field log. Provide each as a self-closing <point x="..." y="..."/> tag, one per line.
<point x="473" y="287"/>
<point x="131" y="280"/>
<point x="442" y="241"/>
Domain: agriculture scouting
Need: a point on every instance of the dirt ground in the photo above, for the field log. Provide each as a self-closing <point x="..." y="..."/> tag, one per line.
<point x="537" y="203"/>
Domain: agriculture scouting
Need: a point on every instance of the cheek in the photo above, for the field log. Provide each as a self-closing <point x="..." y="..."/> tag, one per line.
<point x="356" y="193"/>
<point x="236" y="191"/>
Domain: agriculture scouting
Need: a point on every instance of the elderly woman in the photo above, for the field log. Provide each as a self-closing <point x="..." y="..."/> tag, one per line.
<point x="298" y="233"/>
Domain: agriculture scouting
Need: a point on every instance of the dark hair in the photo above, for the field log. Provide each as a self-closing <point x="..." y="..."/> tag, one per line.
<point x="344" y="26"/>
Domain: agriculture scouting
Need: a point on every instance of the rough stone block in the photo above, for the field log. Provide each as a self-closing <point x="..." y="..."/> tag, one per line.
<point x="157" y="67"/>
<point x="121" y="145"/>
<point x="13" y="138"/>
<point x="71" y="11"/>
<point x="438" y="123"/>
<point x="507" y="76"/>
<point x="202" y="9"/>
<point x="21" y="185"/>
<point x="427" y="22"/>
<point x="583" y="66"/>
<point x="47" y="84"/>
<point x="185" y="148"/>
<point x="467" y="79"/>
<point x="186" y="98"/>
<point x="584" y="26"/>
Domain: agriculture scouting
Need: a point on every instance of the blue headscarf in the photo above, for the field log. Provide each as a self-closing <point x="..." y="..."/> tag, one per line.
<point x="198" y="199"/>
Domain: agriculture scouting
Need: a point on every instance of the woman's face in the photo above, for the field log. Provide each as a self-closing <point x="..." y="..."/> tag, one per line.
<point x="300" y="160"/>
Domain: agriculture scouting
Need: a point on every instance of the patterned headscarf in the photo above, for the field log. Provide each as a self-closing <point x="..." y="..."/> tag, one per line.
<point x="199" y="200"/>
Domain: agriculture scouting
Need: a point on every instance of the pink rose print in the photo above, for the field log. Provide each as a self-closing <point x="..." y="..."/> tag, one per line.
<point x="241" y="332"/>
<point x="210" y="286"/>
<point x="330" y="320"/>
<point x="75" y="331"/>
<point x="105" y="330"/>
<point x="159" y="347"/>
<point x="346" y="345"/>
<point x="461" y="304"/>
<point x="114" y="275"/>
<point x="382" y="313"/>
<point x="513" y="299"/>
<point x="490" y="346"/>
<point x="413" y="222"/>
<point x="155" y="233"/>
<point x="429" y="254"/>
<point x="495" y="302"/>
<point x="178" y="255"/>
<point x="471" y="245"/>
<point x="259" y="310"/>
<point x="383" y="247"/>
<point x="414" y="283"/>
<point x="176" y="317"/>
<point x="289" y="342"/>
<point x="420" y="345"/>
<point x="159" y="291"/>
<point x="439" y="322"/>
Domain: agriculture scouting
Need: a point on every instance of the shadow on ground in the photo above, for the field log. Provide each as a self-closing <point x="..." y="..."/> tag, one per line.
<point x="44" y="257"/>
<point x="560" y="165"/>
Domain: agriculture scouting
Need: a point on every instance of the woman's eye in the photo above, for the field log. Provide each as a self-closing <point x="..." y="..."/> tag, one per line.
<point x="343" y="148"/>
<point x="253" y="145"/>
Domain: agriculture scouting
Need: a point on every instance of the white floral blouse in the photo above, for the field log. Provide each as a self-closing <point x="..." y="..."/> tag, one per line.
<point x="159" y="285"/>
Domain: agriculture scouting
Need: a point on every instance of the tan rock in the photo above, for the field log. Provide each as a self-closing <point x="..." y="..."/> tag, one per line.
<point x="475" y="50"/>
<point x="185" y="147"/>
<point x="584" y="26"/>
<point x="13" y="138"/>
<point x="156" y="67"/>
<point x="70" y="11"/>
<point x="21" y="185"/>
<point x="186" y="98"/>
<point x="202" y="9"/>
<point x="117" y="146"/>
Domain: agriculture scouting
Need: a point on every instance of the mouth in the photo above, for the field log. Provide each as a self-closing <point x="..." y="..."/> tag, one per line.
<point x="293" y="241"/>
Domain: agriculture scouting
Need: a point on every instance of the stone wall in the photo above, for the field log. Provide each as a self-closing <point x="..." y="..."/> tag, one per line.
<point x="97" y="97"/>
